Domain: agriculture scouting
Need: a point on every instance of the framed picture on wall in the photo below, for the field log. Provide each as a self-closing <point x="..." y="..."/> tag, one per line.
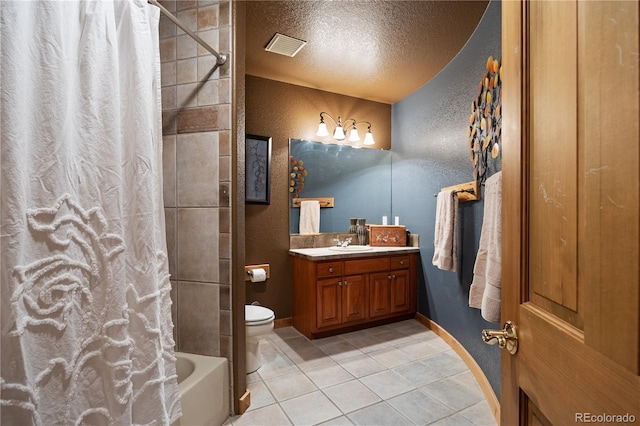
<point x="257" y="156"/>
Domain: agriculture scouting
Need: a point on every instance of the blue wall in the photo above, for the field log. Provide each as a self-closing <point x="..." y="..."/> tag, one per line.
<point x="430" y="151"/>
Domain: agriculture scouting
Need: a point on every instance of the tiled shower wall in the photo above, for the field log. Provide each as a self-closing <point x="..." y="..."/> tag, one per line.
<point x="196" y="105"/>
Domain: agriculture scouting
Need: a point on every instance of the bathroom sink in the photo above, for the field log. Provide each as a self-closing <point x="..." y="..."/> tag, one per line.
<point x="351" y="249"/>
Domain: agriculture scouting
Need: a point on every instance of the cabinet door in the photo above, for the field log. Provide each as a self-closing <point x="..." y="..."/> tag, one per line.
<point x="379" y="294"/>
<point x="329" y="303"/>
<point x="354" y="298"/>
<point x="399" y="291"/>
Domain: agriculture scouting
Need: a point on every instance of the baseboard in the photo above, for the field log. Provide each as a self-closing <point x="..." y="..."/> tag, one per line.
<point x="282" y="322"/>
<point x="475" y="369"/>
<point x="244" y="402"/>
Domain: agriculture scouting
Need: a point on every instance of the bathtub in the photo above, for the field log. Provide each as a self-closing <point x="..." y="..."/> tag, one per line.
<point x="203" y="384"/>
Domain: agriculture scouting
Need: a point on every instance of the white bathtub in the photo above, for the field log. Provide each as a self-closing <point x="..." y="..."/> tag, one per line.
<point x="203" y="384"/>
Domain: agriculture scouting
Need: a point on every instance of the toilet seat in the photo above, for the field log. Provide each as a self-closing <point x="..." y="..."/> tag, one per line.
<point x="257" y="315"/>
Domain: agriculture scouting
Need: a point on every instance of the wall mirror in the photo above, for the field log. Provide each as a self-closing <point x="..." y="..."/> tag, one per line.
<point x="358" y="179"/>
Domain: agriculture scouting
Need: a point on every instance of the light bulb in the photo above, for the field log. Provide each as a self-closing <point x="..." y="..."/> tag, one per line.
<point x="322" y="129"/>
<point x="368" y="139"/>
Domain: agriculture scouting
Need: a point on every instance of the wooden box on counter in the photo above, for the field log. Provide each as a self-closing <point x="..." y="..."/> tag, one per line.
<point x="387" y="235"/>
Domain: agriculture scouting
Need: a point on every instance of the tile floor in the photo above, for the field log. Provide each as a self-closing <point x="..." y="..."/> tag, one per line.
<point x="396" y="374"/>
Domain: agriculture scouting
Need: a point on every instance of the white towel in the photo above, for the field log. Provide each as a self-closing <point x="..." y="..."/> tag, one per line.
<point x="310" y="217"/>
<point x="484" y="293"/>
<point x="444" y="239"/>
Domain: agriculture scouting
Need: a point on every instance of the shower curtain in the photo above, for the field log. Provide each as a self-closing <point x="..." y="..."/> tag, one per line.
<point x="85" y="307"/>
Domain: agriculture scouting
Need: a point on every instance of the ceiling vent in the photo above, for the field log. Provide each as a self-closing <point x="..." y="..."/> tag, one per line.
<point x="285" y="45"/>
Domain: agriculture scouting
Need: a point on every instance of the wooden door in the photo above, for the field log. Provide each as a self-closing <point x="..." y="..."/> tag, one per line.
<point x="400" y="291"/>
<point x="329" y="302"/>
<point x="354" y="298"/>
<point x="571" y="186"/>
<point x="379" y="294"/>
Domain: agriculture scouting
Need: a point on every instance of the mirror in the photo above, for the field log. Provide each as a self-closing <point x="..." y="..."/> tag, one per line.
<point x="358" y="179"/>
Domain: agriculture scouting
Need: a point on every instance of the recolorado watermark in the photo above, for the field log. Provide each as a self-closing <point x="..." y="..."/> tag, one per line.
<point x="604" y="418"/>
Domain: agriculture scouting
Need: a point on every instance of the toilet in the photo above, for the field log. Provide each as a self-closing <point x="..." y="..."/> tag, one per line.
<point x="258" y="322"/>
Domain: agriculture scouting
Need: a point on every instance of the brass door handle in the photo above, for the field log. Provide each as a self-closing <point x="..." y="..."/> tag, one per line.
<point x="505" y="338"/>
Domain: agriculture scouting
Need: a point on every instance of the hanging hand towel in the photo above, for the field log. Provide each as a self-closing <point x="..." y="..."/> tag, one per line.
<point x="310" y="217"/>
<point x="444" y="240"/>
<point x="484" y="293"/>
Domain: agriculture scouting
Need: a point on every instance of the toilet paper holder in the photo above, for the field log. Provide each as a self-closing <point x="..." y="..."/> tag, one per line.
<point x="248" y="269"/>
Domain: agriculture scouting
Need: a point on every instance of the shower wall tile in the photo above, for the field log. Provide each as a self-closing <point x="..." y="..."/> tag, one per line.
<point x="168" y="49"/>
<point x="188" y="17"/>
<point x="168" y="74"/>
<point x="196" y="116"/>
<point x="225" y="168"/>
<point x="225" y="142"/>
<point x="169" y="170"/>
<point x="211" y="37"/>
<point x="207" y="17"/>
<point x="187" y="71"/>
<point x="197" y="175"/>
<point x="186" y="4"/>
<point x="169" y="101"/>
<point x="203" y="119"/>
<point x="198" y="244"/>
<point x="170" y="219"/>
<point x="166" y="27"/>
<point x="169" y="118"/>
<point x="224" y="13"/>
<point x="208" y="93"/>
<point x="207" y="68"/>
<point x="198" y="319"/>
<point x="170" y="5"/>
<point x="186" y="47"/>
<point x="225" y="221"/>
<point x="187" y="95"/>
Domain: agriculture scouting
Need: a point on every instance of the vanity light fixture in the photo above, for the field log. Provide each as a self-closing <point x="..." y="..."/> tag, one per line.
<point x="339" y="133"/>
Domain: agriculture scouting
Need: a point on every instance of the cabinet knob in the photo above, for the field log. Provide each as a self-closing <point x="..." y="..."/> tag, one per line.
<point x="330" y="269"/>
<point x="340" y="283"/>
<point x="389" y="277"/>
<point x="393" y="276"/>
<point x="402" y="262"/>
<point x="345" y="283"/>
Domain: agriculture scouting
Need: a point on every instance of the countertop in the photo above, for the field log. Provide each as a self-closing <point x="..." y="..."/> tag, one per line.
<point x="330" y="253"/>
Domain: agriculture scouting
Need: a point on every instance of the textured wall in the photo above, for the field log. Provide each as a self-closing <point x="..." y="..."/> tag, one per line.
<point x="196" y="108"/>
<point x="430" y="151"/>
<point x="285" y="111"/>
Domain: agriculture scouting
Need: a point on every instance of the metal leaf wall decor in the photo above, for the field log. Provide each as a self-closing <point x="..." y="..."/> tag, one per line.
<point x="485" y="123"/>
<point x="297" y="174"/>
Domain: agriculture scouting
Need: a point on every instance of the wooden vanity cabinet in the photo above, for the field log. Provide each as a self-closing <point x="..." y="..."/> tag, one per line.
<point x="334" y="296"/>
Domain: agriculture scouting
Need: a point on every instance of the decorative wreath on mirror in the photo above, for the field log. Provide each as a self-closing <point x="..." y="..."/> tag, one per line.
<point x="485" y="124"/>
<point x="297" y="173"/>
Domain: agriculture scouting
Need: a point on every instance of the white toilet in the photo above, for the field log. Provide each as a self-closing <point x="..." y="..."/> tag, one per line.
<point x="258" y="322"/>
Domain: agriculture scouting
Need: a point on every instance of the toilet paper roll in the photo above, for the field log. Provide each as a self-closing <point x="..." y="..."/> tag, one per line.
<point x="258" y="275"/>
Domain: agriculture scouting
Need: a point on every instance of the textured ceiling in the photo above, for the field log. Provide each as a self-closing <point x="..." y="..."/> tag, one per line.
<point x="376" y="50"/>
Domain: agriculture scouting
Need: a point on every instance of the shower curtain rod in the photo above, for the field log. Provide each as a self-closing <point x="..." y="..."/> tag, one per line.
<point x="221" y="58"/>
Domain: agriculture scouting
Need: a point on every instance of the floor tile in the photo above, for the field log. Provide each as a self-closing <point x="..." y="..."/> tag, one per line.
<point x="351" y="396"/>
<point x="453" y="420"/>
<point x="328" y="375"/>
<point x="277" y="365"/>
<point x="390" y="357"/>
<point x="310" y="409"/>
<point x="399" y="373"/>
<point x="338" y="421"/>
<point x="290" y="385"/>
<point x="418" y="373"/>
<point x="271" y="415"/>
<point x="387" y="384"/>
<point x="418" y="407"/>
<point x="479" y="414"/>
<point x="378" y="414"/>
<point x="453" y="393"/>
<point x="260" y="395"/>
<point x="360" y="366"/>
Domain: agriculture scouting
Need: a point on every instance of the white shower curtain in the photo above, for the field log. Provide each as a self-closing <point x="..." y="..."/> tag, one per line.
<point x="85" y="308"/>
